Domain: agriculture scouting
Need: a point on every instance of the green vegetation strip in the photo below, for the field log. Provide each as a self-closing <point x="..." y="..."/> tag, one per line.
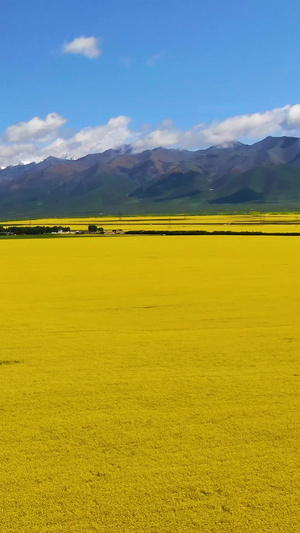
<point x="32" y="230"/>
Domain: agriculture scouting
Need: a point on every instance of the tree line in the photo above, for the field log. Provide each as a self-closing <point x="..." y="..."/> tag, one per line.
<point x="32" y="230"/>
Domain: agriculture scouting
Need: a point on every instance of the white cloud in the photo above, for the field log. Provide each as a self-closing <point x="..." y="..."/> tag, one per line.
<point x="13" y="154"/>
<point x="292" y="120"/>
<point x="239" y="127"/>
<point x="11" y="150"/>
<point x="86" y="46"/>
<point x="36" y="129"/>
<point x="39" y="138"/>
<point x="94" y="139"/>
<point x="166" y="135"/>
<point x="280" y="121"/>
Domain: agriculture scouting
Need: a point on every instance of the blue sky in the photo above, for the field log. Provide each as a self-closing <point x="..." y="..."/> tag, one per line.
<point x="193" y="62"/>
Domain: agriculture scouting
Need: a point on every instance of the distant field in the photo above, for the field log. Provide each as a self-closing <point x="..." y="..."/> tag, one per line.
<point x="150" y="385"/>
<point x="268" y="223"/>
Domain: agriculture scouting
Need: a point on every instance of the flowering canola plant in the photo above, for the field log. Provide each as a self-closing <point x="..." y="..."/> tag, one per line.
<point x="149" y="384"/>
<point x="263" y="222"/>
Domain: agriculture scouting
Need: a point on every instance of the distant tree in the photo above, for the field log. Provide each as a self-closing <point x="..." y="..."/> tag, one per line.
<point x="36" y="230"/>
<point x="92" y="228"/>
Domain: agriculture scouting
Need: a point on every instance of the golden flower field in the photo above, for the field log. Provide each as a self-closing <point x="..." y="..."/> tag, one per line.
<point x="263" y="222"/>
<point x="150" y="384"/>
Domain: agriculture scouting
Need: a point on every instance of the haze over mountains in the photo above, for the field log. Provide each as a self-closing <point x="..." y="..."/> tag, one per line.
<point x="262" y="176"/>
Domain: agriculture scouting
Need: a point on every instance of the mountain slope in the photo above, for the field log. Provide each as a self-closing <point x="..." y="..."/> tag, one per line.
<point x="159" y="180"/>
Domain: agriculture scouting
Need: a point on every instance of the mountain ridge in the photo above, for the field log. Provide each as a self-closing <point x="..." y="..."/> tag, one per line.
<point x="237" y="176"/>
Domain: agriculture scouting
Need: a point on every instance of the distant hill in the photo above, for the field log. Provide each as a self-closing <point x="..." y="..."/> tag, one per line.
<point x="262" y="176"/>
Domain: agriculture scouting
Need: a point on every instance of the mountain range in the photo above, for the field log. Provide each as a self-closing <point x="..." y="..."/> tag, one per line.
<point x="235" y="177"/>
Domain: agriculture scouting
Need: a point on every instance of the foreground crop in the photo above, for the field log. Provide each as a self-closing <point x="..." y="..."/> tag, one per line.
<point x="149" y="385"/>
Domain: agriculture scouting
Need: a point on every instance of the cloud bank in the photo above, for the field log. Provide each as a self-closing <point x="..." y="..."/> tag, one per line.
<point x="36" y="129"/>
<point x="85" y="46"/>
<point x="39" y="138"/>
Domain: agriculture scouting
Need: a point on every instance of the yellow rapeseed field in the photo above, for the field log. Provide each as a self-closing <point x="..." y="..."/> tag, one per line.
<point x="150" y="385"/>
<point x="264" y="222"/>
